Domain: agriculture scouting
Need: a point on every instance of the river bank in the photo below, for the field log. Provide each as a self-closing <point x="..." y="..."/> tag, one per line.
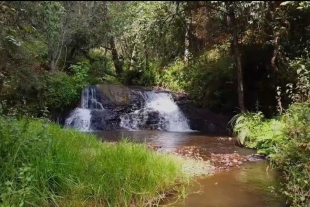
<point x="251" y="180"/>
<point x="43" y="164"/>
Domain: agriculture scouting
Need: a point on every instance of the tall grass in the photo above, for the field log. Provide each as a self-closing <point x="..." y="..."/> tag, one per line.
<point x="43" y="165"/>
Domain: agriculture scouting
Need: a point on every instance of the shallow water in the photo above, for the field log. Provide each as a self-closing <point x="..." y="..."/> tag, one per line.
<point x="247" y="186"/>
<point x="171" y="140"/>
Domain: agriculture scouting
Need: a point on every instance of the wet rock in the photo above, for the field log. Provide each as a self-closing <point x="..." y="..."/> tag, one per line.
<point x="126" y="100"/>
<point x="145" y="119"/>
<point x="255" y="157"/>
<point x="203" y="119"/>
<point x="104" y="120"/>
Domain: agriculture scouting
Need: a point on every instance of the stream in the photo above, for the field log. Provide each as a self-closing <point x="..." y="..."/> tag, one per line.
<point x="248" y="185"/>
<point x="114" y="112"/>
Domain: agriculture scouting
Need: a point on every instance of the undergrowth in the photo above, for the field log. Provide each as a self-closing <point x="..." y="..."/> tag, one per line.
<point x="285" y="141"/>
<point x="44" y="165"/>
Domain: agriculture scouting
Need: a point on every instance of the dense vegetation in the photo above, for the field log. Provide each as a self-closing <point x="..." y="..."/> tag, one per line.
<point x="228" y="56"/>
<point x="44" y="165"/>
<point x="284" y="139"/>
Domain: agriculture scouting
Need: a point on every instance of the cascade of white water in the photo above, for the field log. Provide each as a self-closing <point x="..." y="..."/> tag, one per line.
<point x="170" y="116"/>
<point x="169" y="112"/>
<point x="157" y="111"/>
<point x="80" y="117"/>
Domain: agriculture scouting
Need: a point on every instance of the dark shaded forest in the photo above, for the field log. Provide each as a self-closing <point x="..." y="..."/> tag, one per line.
<point x="228" y="56"/>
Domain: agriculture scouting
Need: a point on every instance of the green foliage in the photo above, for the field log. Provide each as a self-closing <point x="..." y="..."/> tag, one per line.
<point x="300" y="91"/>
<point x="173" y="76"/>
<point x="62" y="90"/>
<point x="211" y="81"/>
<point x="285" y="141"/>
<point x="42" y="164"/>
<point x="101" y="68"/>
<point x="140" y="75"/>
<point x="43" y="91"/>
<point x="294" y="152"/>
<point x="254" y="131"/>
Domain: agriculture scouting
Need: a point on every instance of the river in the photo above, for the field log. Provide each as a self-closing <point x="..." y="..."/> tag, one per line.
<point x="249" y="185"/>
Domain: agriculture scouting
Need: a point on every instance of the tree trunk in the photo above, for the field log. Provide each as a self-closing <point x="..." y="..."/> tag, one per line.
<point x="186" y="51"/>
<point x="52" y="65"/>
<point x="187" y="34"/>
<point x="237" y="57"/>
<point x="1" y="85"/>
<point x="132" y="59"/>
<point x="147" y="64"/>
<point x="187" y="38"/>
<point x="117" y="63"/>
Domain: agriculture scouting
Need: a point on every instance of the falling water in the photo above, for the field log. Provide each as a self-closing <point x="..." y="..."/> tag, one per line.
<point x="80" y="117"/>
<point x="89" y="99"/>
<point x="170" y="116"/>
<point x="156" y="110"/>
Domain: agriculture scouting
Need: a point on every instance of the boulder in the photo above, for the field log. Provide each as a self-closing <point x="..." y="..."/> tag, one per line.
<point x="105" y="120"/>
<point x="204" y="120"/>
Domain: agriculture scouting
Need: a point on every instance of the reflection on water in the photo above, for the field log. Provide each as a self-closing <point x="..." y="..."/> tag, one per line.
<point x="247" y="186"/>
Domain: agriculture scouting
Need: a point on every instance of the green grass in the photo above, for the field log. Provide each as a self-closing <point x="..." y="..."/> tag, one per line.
<point x="44" y="165"/>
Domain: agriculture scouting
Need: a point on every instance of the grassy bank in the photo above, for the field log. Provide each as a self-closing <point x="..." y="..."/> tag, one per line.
<point x="42" y="165"/>
<point x="285" y="141"/>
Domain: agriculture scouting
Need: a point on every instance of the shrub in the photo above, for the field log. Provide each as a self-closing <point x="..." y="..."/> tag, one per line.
<point x="293" y="152"/>
<point x="285" y="141"/>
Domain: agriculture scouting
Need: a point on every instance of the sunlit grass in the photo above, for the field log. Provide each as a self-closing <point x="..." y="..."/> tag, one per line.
<point x="42" y="164"/>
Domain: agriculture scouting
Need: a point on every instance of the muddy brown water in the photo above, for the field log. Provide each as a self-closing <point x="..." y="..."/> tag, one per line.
<point x="249" y="185"/>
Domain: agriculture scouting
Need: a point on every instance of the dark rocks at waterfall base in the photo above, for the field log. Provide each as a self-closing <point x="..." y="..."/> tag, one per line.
<point x="204" y="120"/>
<point x="128" y="103"/>
<point x="201" y="119"/>
<point x="144" y="118"/>
<point x="105" y="120"/>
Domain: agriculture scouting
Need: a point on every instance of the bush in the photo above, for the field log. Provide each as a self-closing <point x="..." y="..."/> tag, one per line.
<point x="62" y="90"/>
<point x="285" y="142"/>
<point x="173" y="76"/>
<point x="293" y="153"/>
<point x="254" y="131"/>
<point x="44" y="91"/>
<point x="42" y="165"/>
<point x="211" y="81"/>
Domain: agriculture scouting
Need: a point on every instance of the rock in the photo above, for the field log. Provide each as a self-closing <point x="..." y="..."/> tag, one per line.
<point x="204" y="120"/>
<point x="104" y="120"/>
<point x="119" y="100"/>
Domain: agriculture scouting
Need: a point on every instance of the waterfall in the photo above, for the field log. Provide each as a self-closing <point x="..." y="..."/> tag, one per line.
<point x="89" y="99"/>
<point x="170" y="116"/>
<point x="80" y="117"/>
<point x="143" y="110"/>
